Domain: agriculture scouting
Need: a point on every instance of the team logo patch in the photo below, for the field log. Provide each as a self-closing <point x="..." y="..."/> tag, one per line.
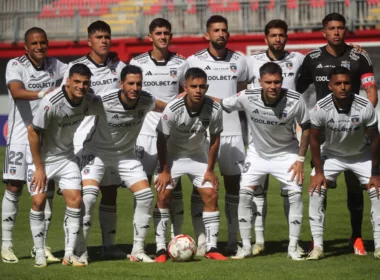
<point x="14" y="63"/>
<point x="86" y="171"/>
<point x="283" y="115"/>
<point x="173" y="72"/>
<point x="46" y="108"/>
<point x="51" y="74"/>
<point x="345" y="63"/>
<point x="355" y="120"/>
<point x="289" y="65"/>
<point x="12" y="170"/>
<point x="165" y="117"/>
<point x="113" y="70"/>
<point x="233" y="67"/>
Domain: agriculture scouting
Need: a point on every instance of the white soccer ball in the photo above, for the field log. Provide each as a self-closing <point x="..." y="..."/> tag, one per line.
<point x="182" y="248"/>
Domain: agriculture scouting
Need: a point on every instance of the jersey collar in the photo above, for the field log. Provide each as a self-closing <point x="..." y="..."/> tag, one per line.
<point x="283" y="92"/>
<point x="344" y="111"/>
<point x="34" y="65"/>
<point x="192" y="114"/>
<point x="67" y="98"/>
<point x="218" y="58"/>
<point x="346" y="48"/>
<point x="125" y="105"/>
<point x="281" y="58"/>
<point x="161" y="63"/>
<point x="96" y="64"/>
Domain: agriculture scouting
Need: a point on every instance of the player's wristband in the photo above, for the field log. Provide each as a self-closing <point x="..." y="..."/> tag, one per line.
<point x="375" y="171"/>
<point x="301" y="159"/>
<point x="41" y="94"/>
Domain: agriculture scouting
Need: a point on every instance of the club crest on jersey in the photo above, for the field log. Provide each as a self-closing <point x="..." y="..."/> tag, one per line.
<point x="355" y="120"/>
<point x="113" y="70"/>
<point x="283" y="115"/>
<point x="51" y="74"/>
<point x="165" y="117"/>
<point x="233" y="67"/>
<point x="14" y="63"/>
<point x="173" y="72"/>
<point x="86" y="171"/>
<point x="46" y="108"/>
<point x="289" y="65"/>
<point x="12" y="170"/>
<point x="345" y="63"/>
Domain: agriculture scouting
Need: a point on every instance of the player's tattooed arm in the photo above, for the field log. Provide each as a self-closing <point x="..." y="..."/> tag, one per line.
<point x="210" y="175"/>
<point x="373" y="136"/>
<point x="318" y="180"/>
<point x="298" y="166"/>
<point x="18" y="91"/>
<point x="164" y="177"/>
<point x="39" y="179"/>
<point x="371" y="91"/>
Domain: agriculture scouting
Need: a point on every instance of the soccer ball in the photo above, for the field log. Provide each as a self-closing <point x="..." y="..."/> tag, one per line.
<point x="182" y="248"/>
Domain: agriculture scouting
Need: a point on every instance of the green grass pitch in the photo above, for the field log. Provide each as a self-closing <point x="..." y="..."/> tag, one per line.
<point x="340" y="262"/>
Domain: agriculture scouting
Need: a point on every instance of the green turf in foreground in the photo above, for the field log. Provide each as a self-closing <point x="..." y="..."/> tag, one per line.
<point x="339" y="264"/>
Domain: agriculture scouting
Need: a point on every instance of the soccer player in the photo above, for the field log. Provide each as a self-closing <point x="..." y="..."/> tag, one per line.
<point x="271" y="112"/>
<point x="182" y="150"/>
<point x="348" y="121"/>
<point x="51" y="143"/>
<point x="28" y="78"/>
<point x="106" y="69"/>
<point x="227" y="73"/>
<point x="290" y="63"/>
<point x="164" y="73"/>
<point x="113" y="144"/>
<point x="315" y="69"/>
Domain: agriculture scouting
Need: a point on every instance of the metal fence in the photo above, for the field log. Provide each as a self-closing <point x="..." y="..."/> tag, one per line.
<point x="187" y="17"/>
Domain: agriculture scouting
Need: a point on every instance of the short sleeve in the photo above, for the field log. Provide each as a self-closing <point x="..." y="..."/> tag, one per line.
<point x="370" y="116"/>
<point x="184" y="70"/>
<point x="13" y="72"/>
<point x="216" y="126"/>
<point x="233" y="102"/>
<point x="94" y="105"/>
<point x="243" y="71"/>
<point x="43" y="114"/>
<point x="152" y="104"/>
<point x="66" y="74"/>
<point x="302" y="116"/>
<point x="250" y="69"/>
<point x="166" y="121"/>
<point x="317" y="117"/>
<point x="305" y="77"/>
<point x="61" y="69"/>
<point x="367" y="76"/>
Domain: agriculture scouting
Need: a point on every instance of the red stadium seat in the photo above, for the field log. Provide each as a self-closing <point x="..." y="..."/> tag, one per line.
<point x="271" y="5"/>
<point x="223" y="6"/>
<point x="292" y="4"/>
<point x="373" y="2"/>
<point x="254" y="5"/>
<point x="317" y="3"/>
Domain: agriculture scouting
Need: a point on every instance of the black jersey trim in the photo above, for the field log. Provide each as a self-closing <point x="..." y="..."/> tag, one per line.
<point x="224" y="108"/>
<point x="360" y="100"/>
<point x="220" y="58"/>
<point x="21" y="58"/>
<point x="253" y="91"/>
<point x="282" y="94"/>
<point x="200" y="52"/>
<point x="57" y="98"/>
<point x="293" y="95"/>
<point x="178" y="57"/>
<point x="42" y="68"/>
<point x="110" y="96"/>
<point x="125" y="106"/>
<point x="325" y="102"/>
<point x="282" y="58"/>
<point x="161" y="63"/>
<point x="79" y="60"/>
<point x="68" y="100"/>
<point x="209" y="101"/>
<point x="177" y="105"/>
<point x="141" y="56"/>
<point x="96" y="64"/>
<point x="192" y="114"/>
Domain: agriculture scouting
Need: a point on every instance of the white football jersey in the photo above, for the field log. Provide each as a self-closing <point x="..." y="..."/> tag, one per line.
<point x="290" y="64"/>
<point x="57" y="119"/>
<point x="117" y="127"/>
<point x="162" y="79"/>
<point x="187" y="130"/>
<point x="345" y="131"/>
<point x="223" y="75"/>
<point x="271" y="124"/>
<point x="104" y="77"/>
<point x="21" y="69"/>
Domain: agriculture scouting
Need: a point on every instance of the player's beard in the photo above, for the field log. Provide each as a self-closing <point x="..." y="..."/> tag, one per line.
<point x="276" y="51"/>
<point x="218" y="46"/>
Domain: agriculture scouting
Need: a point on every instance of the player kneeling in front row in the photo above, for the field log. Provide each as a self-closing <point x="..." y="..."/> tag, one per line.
<point x="271" y="112"/>
<point x="51" y="143"/>
<point x="182" y="150"/>
<point x="113" y="145"/>
<point x="347" y="120"/>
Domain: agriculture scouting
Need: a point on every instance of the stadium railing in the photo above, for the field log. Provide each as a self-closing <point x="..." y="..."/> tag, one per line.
<point x="68" y="19"/>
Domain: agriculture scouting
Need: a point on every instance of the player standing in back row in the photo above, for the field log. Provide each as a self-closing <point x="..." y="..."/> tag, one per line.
<point x="164" y="73"/>
<point x="315" y="69"/>
<point x="28" y="78"/>
<point x="227" y="73"/>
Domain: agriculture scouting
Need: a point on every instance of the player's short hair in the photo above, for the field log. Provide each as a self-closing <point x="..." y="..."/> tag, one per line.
<point x="333" y="17"/>
<point x="80" y="69"/>
<point x="98" y="25"/>
<point x="339" y="70"/>
<point x="195" y="73"/>
<point x="276" y="23"/>
<point x="216" y="19"/>
<point x="32" y="31"/>
<point x="130" y="69"/>
<point x="159" y="22"/>
<point x="270" y="68"/>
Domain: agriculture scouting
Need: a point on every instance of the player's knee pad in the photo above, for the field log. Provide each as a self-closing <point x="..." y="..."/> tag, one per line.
<point x="11" y="196"/>
<point x="144" y="199"/>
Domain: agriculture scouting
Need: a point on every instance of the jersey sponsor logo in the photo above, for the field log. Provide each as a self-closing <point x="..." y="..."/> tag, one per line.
<point x="321" y="79"/>
<point x="148" y="73"/>
<point x="221" y="78"/>
<point x="115" y="116"/>
<point x="115" y="125"/>
<point x="331" y="121"/>
<point x="40" y="86"/>
<point x="343" y="129"/>
<point x="256" y="111"/>
<point x="66" y="116"/>
<point x="76" y="122"/>
<point x="183" y="124"/>
<point x="319" y="65"/>
<point x="207" y="67"/>
<point x="32" y="76"/>
<point x="289" y="65"/>
<point x="265" y="122"/>
<point x="233" y="67"/>
<point x="173" y="72"/>
<point x="345" y="63"/>
<point x="159" y="83"/>
<point x="355" y="120"/>
<point x="103" y="82"/>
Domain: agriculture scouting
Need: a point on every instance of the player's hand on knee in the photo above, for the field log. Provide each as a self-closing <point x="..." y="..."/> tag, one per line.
<point x="298" y="172"/>
<point x="317" y="182"/>
<point x="211" y="177"/>
<point x="374" y="182"/>
<point x="39" y="181"/>
<point x="163" y="179"/>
